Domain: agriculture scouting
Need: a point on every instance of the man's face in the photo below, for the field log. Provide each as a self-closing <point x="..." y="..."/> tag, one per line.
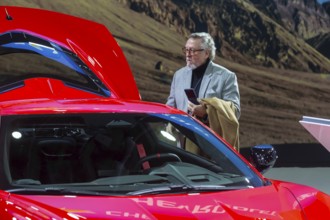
<point x="195" y="54"/>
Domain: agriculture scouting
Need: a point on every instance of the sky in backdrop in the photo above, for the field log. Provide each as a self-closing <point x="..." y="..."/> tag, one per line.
<point x="321" y="1"/>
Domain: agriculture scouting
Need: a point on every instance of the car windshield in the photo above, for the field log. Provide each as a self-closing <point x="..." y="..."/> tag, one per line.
<point x="44" y="59"/>
<point x="116" y="153"/>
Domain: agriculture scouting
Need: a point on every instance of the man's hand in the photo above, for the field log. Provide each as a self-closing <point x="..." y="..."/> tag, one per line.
<point x="197" y="110"/>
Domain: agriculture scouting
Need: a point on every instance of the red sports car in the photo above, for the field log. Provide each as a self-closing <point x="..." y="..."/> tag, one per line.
<point x="76" y="141"/>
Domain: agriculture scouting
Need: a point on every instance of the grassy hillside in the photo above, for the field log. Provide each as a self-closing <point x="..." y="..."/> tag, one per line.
<point x="273" y="100"/>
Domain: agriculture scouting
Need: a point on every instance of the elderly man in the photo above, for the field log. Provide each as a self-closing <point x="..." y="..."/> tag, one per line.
<point x="213" y="84"/>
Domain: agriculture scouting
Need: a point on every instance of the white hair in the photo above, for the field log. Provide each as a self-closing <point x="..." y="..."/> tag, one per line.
<point x="207" y="42"/>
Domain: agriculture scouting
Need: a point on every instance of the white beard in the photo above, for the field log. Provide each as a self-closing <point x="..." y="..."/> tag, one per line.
<point x="191" y="66"/>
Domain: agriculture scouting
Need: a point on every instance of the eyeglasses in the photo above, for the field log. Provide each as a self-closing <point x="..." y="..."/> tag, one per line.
<point x="191" y="50"/>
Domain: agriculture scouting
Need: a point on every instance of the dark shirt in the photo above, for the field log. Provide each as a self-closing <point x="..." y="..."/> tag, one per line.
<point x="197" y="76"/>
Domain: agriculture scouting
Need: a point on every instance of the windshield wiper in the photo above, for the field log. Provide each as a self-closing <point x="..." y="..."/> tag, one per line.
<point x="54" y="191"/>
<point x="186" y="188"/>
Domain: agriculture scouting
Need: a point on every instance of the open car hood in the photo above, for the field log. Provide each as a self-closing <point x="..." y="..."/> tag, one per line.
<point x="85" y="46"/>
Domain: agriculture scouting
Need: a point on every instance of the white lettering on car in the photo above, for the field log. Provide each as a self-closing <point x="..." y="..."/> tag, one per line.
<point x="199" y="209"/>
<point x="128" y="215"/>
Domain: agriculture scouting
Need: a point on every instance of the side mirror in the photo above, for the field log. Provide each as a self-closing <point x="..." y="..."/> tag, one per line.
<point x="263" y="157"/>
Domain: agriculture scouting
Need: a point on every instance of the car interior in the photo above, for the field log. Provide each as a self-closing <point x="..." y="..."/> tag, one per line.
<point x="97" y="148"/>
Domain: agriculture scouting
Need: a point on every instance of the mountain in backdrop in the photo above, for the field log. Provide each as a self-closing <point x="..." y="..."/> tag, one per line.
<point x="271" y="33"/>
<point x="278" y="49"/>
<point x="326" y="6"/>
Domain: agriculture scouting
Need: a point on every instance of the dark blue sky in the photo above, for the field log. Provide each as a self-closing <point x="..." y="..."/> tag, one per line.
<point x="321" y="1"/>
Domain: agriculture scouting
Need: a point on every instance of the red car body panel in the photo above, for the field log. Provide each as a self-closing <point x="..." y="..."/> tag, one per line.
<point x="88" y="105"/>
<point x="102" y="55"/>
<point x="275" y="202"/>
<point x="280" y="200"/>
<point x="47" y="88"/>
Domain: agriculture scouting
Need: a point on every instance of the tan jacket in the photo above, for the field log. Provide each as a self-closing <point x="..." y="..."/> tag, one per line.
<point x="222" y="119"/>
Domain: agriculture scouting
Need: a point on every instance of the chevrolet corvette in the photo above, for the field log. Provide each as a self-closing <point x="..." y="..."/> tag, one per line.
<point x="77" y="141"/>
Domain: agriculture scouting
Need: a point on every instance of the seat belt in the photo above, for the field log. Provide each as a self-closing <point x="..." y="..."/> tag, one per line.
<point x="142" y="154"/>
